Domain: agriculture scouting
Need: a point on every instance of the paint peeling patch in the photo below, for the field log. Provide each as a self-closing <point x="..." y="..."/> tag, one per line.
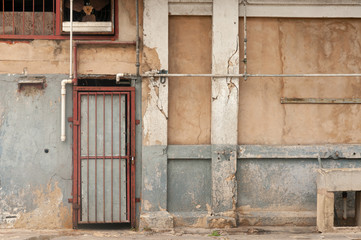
<point x="150" y="59"/>
<point x="50" y="212"/>
<point x="11" y="206"/>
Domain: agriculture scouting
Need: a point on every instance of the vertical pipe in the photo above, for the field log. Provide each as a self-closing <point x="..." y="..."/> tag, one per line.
<point x="137" y="64"/>
<point x="71" y="41"/>
<point x="245" y="39"/>
<point x="104" y="157"/>
<point x="87" y="170"/>
<point x="111" y="153"/>
<point x="96" y="159"/>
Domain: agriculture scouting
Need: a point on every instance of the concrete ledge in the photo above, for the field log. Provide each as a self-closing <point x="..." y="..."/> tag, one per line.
<point x="160" y="220"/>
<point x="221" y="222"/>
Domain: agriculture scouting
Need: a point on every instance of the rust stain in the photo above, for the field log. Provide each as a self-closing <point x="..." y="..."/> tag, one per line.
<point x="50" y="212"/>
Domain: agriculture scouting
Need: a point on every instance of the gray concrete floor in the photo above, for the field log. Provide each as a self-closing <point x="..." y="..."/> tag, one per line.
<point x="252" y="233"/>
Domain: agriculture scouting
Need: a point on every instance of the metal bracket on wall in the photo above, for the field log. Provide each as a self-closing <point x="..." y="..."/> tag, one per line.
<point x="320" y="100"/>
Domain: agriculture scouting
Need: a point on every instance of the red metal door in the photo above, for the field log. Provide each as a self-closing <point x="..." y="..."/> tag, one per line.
<point x="104" y="155"/>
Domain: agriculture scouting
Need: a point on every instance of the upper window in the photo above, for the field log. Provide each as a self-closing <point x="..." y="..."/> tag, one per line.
<point x="51" y="18"/>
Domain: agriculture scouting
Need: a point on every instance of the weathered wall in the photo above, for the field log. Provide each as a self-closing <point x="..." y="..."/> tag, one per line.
<point x="281" y="191"/>
<point x="190" y="47"/>
<point x="35" y="184"/>
<point x="280" y="46"/>
<point x="52" y="56"/>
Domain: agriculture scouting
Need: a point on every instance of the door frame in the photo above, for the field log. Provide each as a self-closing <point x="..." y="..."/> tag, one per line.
<point x="76" y="176"/>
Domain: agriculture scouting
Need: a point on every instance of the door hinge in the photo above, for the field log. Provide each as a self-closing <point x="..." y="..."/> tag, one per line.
<point x="132" y="159"/>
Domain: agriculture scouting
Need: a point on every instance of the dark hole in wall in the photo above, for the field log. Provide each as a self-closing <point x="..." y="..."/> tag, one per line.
<point x="103" y="82"/>
<point x="339" y="220"/>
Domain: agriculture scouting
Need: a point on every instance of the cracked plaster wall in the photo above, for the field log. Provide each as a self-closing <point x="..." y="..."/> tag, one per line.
<point x="279" y="46"/>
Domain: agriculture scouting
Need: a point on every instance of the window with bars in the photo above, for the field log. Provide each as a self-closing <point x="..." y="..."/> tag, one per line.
<point x="51" y="18"/>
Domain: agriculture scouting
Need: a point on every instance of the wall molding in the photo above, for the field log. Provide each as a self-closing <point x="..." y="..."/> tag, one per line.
<point x="330" y="151"/>
<point x="275" y="8"/>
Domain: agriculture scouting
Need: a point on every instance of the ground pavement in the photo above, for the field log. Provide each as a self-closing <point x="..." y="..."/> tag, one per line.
<point x="249" y="233"/>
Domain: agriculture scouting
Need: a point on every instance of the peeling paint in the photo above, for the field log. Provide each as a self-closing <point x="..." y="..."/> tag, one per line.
<point x="50" y="213"/>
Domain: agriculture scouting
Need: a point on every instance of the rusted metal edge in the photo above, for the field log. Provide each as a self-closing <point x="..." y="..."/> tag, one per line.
<point x="286" y="100"/>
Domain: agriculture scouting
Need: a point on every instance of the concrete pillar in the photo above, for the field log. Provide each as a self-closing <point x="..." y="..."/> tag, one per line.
<point x="325" y="210"/>
<point x="225" y="59"/>
<point x="155" y="120"/>
<point x="358" y="208"/>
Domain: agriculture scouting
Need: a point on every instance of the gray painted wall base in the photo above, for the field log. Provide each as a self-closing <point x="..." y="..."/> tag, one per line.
<point x="160" y="220"/>
<point x="277" y="218"/>
<point x="154" y="169"/>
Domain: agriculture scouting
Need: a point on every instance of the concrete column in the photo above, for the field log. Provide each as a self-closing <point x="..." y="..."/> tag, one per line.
<point x="225" y="59"/>
<point x="325" y="210"/>
<point x="155" y="119"/>
<point x="358" y="208"/>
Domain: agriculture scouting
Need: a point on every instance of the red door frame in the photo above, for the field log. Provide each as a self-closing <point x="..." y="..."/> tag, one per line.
<point x="76" y="188"/>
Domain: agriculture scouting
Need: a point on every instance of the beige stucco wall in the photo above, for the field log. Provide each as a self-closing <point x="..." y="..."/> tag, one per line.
<point x="52" y="56"/>
<point x="190" y="47"/>
<point x="300" y="46"/>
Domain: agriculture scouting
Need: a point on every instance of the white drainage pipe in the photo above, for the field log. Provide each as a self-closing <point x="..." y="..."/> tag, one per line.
<point x="67" y="81"/>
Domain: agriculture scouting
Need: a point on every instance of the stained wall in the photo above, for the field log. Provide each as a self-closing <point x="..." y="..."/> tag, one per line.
<point x="286" y="46"/>
<point x="190" y="47"/>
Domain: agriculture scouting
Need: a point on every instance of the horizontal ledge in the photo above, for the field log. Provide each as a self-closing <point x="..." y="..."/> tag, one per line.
<point x="333" y="151"/>
<point x="350" y="151"/>
<point x="189" y="152"/>
<point x="282" y="9"/>
<point x="320" y="100"/>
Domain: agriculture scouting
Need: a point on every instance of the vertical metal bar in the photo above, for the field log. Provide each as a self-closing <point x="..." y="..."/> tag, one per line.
<point x="13" y="17"/>
<point x="104" y="157"/>
<point x="4" y="17"/>
<point x="111" y="153"/>
<point x="23" y="17"/>
<point x="33" y="17"/>
<point x="79" y="159"/>
<point x="132" y="175"/>
<point x="120" y="157"/>
<point x="43" y="16"/>
<point x="58" y="18"/>
<point x="75" y="160"/>
<point x="53" y="17"/>
<point x="96" y="158"/>
<point x="87" y="170"/>
<point x="129" y="156"/>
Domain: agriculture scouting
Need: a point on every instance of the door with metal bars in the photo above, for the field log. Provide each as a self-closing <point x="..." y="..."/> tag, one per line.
<point x="104" y="149"/>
